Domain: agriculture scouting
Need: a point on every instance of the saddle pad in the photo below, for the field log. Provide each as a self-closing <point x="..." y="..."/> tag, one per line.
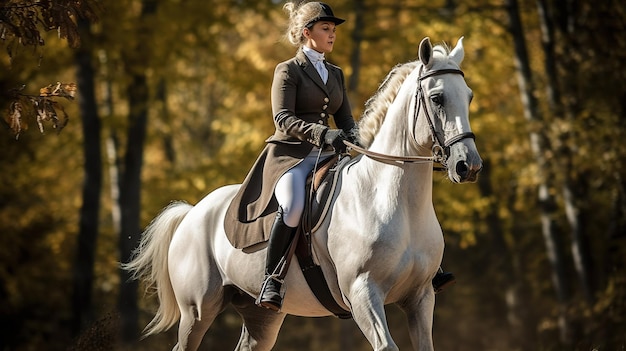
<point x="246" y="235"/>
<point x="319" y="200"/>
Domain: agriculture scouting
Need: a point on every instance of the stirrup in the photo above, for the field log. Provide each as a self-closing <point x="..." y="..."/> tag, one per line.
<point x="273" y="303"/>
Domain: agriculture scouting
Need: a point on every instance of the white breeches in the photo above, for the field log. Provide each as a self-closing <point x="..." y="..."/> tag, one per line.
<point x="290" y="189"/>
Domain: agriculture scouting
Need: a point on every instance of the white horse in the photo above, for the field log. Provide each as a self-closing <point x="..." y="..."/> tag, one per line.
<point x="381" y="243"/>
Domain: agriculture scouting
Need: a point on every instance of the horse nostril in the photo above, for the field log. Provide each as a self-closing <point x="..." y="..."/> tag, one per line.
<point x="462" y="169"/>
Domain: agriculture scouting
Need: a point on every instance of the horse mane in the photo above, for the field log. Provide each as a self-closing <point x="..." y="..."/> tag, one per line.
<point x="376" y="107"/>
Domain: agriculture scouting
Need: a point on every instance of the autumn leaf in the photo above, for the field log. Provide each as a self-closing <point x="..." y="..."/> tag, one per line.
<point x="65" y="90"/>
<point x="15" y="118"/>
<point x="20" y="23"/>
<point x="42" y="108"/>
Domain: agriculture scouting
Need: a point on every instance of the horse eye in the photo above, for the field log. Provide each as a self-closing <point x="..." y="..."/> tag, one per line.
<point x="437" y="99"/>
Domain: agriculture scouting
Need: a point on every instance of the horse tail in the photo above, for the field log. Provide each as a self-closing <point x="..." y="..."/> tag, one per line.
<point x="149" y="263"/>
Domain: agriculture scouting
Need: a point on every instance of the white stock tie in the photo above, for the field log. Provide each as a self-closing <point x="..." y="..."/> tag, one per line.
<point x="317" y="59"/>
<point x="321" y="69"/>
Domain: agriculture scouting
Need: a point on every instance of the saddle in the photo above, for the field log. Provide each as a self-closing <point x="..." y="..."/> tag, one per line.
<point x="321" y="187"/>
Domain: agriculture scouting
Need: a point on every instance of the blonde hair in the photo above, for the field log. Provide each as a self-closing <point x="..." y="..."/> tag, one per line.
<point x="299" y="16"/>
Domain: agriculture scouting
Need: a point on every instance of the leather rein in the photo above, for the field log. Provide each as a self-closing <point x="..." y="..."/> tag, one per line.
<point x="440" y="148"/>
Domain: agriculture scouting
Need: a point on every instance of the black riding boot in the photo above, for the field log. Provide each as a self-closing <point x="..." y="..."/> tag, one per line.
<point x="442" y="280"/>
<point x="280" y="238"/>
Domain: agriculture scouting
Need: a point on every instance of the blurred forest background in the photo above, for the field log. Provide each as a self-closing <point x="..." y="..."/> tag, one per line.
<point x="173" y="102"/>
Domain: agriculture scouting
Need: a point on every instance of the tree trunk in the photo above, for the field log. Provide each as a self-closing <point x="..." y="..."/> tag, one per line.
<point x="539" y="146"/>
<point x="614" y="265"/>
<point x="82" y="308"/>
<point x="112" y="145"/>
<point x="168" y="139"/>
<point x="571" y="197"/>
<point x="130" y="201"/>
<point x="130" y="181"/>
<point x="510" y="267"/>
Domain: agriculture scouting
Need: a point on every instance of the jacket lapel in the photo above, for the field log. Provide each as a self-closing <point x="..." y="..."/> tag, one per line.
<point x="333" y="78"/>
<point x="310" y="70"/>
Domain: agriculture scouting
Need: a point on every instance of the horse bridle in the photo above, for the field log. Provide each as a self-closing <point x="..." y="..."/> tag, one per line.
<point x="440" y="148"/>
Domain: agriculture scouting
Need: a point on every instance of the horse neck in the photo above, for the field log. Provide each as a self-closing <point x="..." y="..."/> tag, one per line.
<point x="402" y="133"/>
<point x="406" y="183"/>
<point x="388" y="190"/>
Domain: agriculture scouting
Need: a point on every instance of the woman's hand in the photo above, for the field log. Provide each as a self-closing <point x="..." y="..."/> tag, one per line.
<point x="335" y="138"/>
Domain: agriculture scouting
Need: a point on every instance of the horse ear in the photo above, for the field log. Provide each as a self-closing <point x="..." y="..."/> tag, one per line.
<point x="425" y="52"/>
<point x="458" y="52"/>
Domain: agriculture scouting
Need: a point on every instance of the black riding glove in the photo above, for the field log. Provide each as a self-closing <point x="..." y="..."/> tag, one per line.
<point x="335" y="138"/>
<point x="353" y="136"/>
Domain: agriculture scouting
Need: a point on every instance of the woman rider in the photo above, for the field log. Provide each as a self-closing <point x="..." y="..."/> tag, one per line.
<point x="306" y="91"/>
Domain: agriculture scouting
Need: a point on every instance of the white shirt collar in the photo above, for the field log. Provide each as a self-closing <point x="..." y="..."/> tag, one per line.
<point x="313" y="55"/>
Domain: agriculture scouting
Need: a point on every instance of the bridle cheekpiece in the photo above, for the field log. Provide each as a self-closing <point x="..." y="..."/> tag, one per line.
<point x="440" y="148"/>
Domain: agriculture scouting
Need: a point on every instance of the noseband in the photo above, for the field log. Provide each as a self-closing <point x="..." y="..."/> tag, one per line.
<point x="441" y="147"/>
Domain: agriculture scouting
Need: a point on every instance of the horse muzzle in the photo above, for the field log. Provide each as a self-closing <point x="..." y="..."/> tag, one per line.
<point x="467" y="172"/>
<point x="464" y="162"/>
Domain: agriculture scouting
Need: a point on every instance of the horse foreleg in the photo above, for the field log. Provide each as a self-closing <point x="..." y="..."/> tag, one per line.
<point x="419" y="311"/>
<point x="368" y="311"/>
<point x="260" y="326"/>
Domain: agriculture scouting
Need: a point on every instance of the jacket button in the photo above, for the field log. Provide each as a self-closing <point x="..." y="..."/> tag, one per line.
<point x="320" y="122"/>
<point x="326" y="99"/>
<point x="324" y="107"/>
<point x="322" y="115"/>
